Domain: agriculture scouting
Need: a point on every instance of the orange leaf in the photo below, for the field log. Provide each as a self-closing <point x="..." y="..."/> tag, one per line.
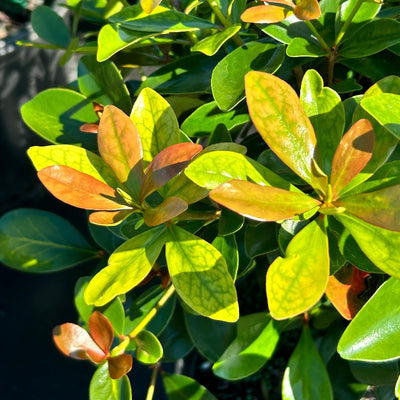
<point x="170" y="208"/>
<point x="265" y="14"/>
<point x="89" y="128"/>
<point x="109" y="218"/>
<point x="343" y="291"/>
<point x="120" y="147"/>
<point x="101" y="331"/>
<point x="262" y="203"/>
<point x="119" y="366"/>
<point x="78" y="189"/>
<point x="167" y="164"/>
<point x="352" y="155"/>
<point x="307" y="10"/>
<point x="73" y="341"/>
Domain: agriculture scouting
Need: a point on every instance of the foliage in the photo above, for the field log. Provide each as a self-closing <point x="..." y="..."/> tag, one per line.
<point x="265" y="136"/>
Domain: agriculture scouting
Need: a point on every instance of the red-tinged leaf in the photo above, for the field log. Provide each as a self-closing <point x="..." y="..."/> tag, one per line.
<point x="119" y="366"/>
<point x="167" y="164"/>
<point x="287" y="3"/>
<point x="109" y="218"/>
<point x="89" y="128"/>
<point x="307" y="10"/>
<point x="379" y="208"/>
<point x="121" y="148"/>
<point x="78" y="189"/>
<point x="262" y="203"/>
<point x="352" y="155"/>
<point x="279" y="117"/>
<point x="343" y="291"/>
<point x="170" y="208"/>
<point x="101" y="331"/>
<point x="265" y="14"/>
<point x="73" y="341"/>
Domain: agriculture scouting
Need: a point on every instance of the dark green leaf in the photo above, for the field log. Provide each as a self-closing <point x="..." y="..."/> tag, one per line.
<point x="180" y="387"/>
<point x="260" y="238"/>
<point x="227" y="246"/>
<point x="229" y="222"/>
<point x="300" y="47"/>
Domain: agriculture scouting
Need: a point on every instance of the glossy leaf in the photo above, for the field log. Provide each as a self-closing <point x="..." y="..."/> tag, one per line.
<point x="156" y="123"/>
<point x="326" y="112"/>
<point x="265" y="204"/>
<point x="73" y="341"/>
<point x="109" y="218"/>
<point x="307" y="10"/>
<point x="204" y="120"/>
<point x="101" y="331"/>
<point x="103" y="387"/>
<point x="229" y="222"/>
<point x="75" y="157"/>
<point x="120" y="147"/>
<point x="352" y="155"/>
<point x="227" y="246"/>
<point x="301" y="47"/>
<point x="200" y="276"/>
<point x="127" y="267"/>
<point x="285" y="31"/>
<point x="119" y="366"/>
<point x="181" y="186"/>
<point x="227" y="81"/>
<point x="148" y="348"/>
<point x="373" y="333"/>
<point x="260" y="238"/>
<point x="170" y="208"/>
<point x="210" y="170"/>
<point x="103" y="83"/>
<point x="266" y="14"/>
<point x="57" y="114"/>
<point x="79" y="189"/>
<point x="149" y="5"/>
<point x="40" y="241"/>
<point x="255" y="342"/>
<point x="280" y="119"/>
<point x="295" y="283"/>
<point x="180" y="387"/>
<point x="378" y="244"/>
<point x="211" y="44"/>
<point x="167" y="164"/>
<point x="305" y="376"/>
<point x="378" y="208"/>
<point x="371" y="38"/>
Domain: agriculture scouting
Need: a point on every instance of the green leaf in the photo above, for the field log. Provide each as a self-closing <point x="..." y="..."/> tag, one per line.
<point x="384" y="108"/>
<point x="180" y="387"/>
<point x="156" y="123"/>
<point x="266" y="203"/>
<point x="210" y="170"/>
<point x="182" y="187"/>
<point x="397" y="388"/>
<point x="229" y="222"/>
<point x="347" y="86"/>
<point x="200" y="276"/>
<point x="295" y="283"/>
<point x="161" y="19"/>
<point x="170" y="208"/>
<point x="57" y="115"/>
<point x="50" y="26"/>
<point x="211" y="44"/>
<point x="373" y="334"/>
<point x="255" y="343"/>
<point x="204" y="120"/>
<point x="102" y="387"/>
<point x="127" y="267"/>
<point x="227" y="81"/>
<point x="378" y="244"/>
<point x="39" y="241"/>
<point x="301" y="47"/>
<point x="371" y="38"/>
<point x="326" y="112"/>
<point x="103" y="83"/>
<point x="75" y="157"/>
<point x="375" y="373"/>
<point x="305" y="376"/>
<point x="149" y="5"/>
<point x="282" y="122"/>
<point x="148" y="347"/>
<point x="190" y="74"/>
<point x="227" y="246"/>
<point x="285" y="31"/>
<point x="260" y="238"/>
<point x="203" y="332"/>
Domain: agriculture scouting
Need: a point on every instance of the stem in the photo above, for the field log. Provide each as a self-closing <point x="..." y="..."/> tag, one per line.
<point x="150" y="391"/>
<point x="169" y="292"/>
<point x="343" y="29"/>
<point x="318" y="36"/>
<point x="77" y="15"/>
<point x="331" y="64"/>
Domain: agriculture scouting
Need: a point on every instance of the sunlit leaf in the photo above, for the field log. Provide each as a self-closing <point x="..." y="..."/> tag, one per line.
<point x="266" y="14"/>
<point x="282" y="122"/>
<point x="262" y="203"/>
<point x="200" y="276"/>
<point x="302" y="47"/>
<point x="101" y="331"/>
<point x="170" y="208"/>
<point x="295" y="283"/>
<point x="227" y="246"/>
<point x="109" y="218"/>
<point x="79" y="189"/>
<point x="182" y="187"/>
<point x="120" y="147"/>
<point x="148" y="347"/>
<point x="373" y="334"/>
<point x="352" y="155"/>
<point x="149" y="5"/>
<point x="180" y="387"/>
<point x="127" y="267"/>
<point x="307" y="10"/>
<point x="120" y="365"/>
